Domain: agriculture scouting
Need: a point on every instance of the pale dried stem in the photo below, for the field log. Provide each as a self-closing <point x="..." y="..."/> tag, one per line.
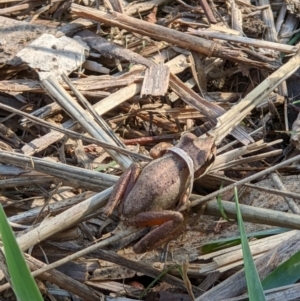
<point x="236" y="284"/>
<point x="71" y="133"/>
<point x="29" y="215"/>
<point x="255" y="247"/>
<point x="246" y="160"/>
<point x="229" y="258"/>
<point x="76" y="176"/>
<point x="210" y="110"/>
<point x="84" y="118"/>
<point x="206" y="47"/>
<point x="287" y="27"/>
<point x="260" y="188"/>
<point x="242" y="182"/>
<point x="227" y="157"/>
<point x="234" y="116"/>
<point x="66" y="219"/>
<point x="26" y="181"/>
<point x="281" y="17"/>
<point x="236" y="17"/>
<point x="286" y="293"/>
<point x="267" y="16"/>
<point x="178" y="64"/>
<point x="291" y="203"/>
<point x="245" y="41"/>
<point x="139" y="7"/>
<point x="255" y="214"/>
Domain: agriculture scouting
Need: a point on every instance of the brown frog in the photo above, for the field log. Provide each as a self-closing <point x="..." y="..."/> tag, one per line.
<point x="149" y="198"/>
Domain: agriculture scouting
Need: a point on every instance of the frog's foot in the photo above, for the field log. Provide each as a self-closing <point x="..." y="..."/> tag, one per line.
<point x="166" y="220"/>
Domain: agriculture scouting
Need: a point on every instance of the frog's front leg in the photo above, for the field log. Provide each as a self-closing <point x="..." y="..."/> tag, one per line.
<point x="166" y="220"/>
<point x="122" y="187"/>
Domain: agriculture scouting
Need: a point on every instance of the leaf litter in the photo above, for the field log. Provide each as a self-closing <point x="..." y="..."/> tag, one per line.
<point x="87" y="88"/>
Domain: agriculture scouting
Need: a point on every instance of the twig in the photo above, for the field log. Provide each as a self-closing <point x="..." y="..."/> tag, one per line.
<point x="243" y="40"/>
<point x="291" y="203"/>
<point x="206" y="47"/>
<point x="242" y="182"/>
<point x="208" y="12"/>
<point x="53" y="87"/>
<point x="73" y="134"/>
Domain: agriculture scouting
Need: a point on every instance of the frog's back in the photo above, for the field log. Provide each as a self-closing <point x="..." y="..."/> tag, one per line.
<point x="159" y="186"/>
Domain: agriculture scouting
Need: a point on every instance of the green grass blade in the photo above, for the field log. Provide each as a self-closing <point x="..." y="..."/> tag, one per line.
<point x="286" y="273"/>
<point x="103" y="167"/>
<point x="163" y="273"/>
<point x="255" y="290"/>
<point x="23" y="283"/>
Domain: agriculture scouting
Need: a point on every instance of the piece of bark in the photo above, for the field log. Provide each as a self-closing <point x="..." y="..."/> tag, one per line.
<point x="111" y="272"/>
<point x="151" y="17"/>
<point x="92" y="83"/>
<point x="156" y="80"/>
<point x="48" y="55"/>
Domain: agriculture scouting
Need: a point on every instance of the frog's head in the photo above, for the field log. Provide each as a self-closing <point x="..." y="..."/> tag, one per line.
<point x="200" y="149"/>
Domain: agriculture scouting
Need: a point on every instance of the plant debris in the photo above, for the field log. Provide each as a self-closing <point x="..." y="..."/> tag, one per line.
<point x="89" y="87"/>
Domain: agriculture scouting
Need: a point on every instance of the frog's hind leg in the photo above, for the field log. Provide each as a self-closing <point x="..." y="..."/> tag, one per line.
<point x="166" y="220"/>
<point x="122" y="187"/>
